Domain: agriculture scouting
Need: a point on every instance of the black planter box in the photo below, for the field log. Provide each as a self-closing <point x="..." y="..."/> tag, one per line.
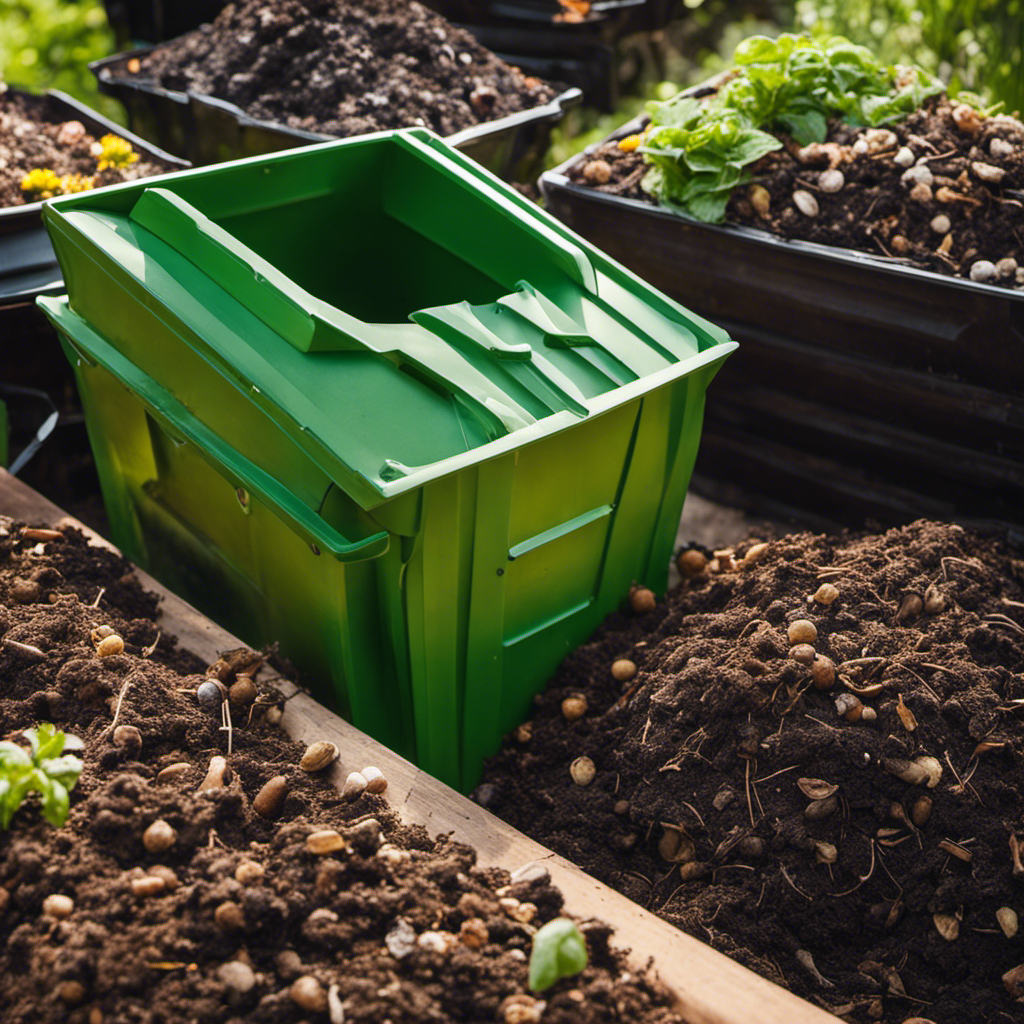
<point x="863" y="388"/>
<point x="207" y="130"/>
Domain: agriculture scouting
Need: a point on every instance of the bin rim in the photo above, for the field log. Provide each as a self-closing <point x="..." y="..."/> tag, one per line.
<point x="557" y="178"/>
<point x="103" y="69"/>
<point x="370" y="491"/>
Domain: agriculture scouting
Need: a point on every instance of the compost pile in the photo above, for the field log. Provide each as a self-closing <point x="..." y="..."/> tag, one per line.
<point x="943" y="190"/>
<point x="189" y="887"/>
<point x="34" y="135"/>
<point x="345" y="67"/>
<point x="811" y="759"/>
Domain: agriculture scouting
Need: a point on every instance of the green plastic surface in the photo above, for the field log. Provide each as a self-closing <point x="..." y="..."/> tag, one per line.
<point x="365" y="400"/>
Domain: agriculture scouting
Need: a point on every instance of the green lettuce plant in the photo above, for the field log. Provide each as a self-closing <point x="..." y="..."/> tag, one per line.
<point x="793" y="84"/>
<point x="42" y="770"/>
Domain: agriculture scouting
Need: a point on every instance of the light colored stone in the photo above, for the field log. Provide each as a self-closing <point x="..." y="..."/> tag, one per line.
<point x="983" y="270"/>
<point x="805" y="203"/>
<point x="237" y="976"/>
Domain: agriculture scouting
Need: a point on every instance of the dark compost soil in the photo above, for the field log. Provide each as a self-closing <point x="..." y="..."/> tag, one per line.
<point x="879" y="209"/>
<point x="34" y="135"/>
<point x="345" y="67"/>
<point x="222" y="924"/>
<point x="792" y="846"/>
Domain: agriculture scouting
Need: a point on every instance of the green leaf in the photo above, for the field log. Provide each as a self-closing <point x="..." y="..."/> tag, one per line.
<point x="46" y="741"/>
<point x="42" y="771"/>
<point x="64" y="770"/>
<point x="559" y="951"/>
<point x="11" y="756"/>
<point x="754" y="145"/>
<point x="709" y="207"/>
<point x="56" y="803"/>
<point x="805" y="126"/>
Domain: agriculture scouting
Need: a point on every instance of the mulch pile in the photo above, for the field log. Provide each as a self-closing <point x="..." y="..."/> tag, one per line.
<point x="944" y="190"/>
<point x="222" y="913"/>
<point x="844" y="817"/>
<point x="344" y="67"/>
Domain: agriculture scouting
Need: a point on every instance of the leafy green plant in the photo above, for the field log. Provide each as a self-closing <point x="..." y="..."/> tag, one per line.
<point x="42" y="770"/>
<point x="792" y="84"/>
<point x="559" y="951"/>
<point x="698" y="157"/>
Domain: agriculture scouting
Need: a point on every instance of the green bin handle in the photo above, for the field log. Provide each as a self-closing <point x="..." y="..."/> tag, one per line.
<point x="169" y="412"/>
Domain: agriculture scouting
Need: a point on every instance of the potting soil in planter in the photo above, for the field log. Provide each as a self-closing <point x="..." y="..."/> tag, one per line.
<point x="344" y="67"/>
<point x="941" y="190"/>
<point x="32" y="139"/>
<point x="809" y="757"/>
<point x="166" y="897"/>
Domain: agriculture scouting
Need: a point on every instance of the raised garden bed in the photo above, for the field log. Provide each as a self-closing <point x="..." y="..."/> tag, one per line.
<point x="182" y="973"/>
<point x="844" y="817"/>
<point x="259" y="79"/>
<point x="867" y="386"/>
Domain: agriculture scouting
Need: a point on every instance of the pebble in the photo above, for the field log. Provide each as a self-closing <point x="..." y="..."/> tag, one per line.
<point x="988" y="173"/>
<point x="941" y="224"/>
<point x="967" y="119"/>
<point x="237" y="976"/>
<point x="355" y="785"/>
<point x="25" y="591"/>
<point x="401" y="939"/>
<point x="71" y="992"/>
<point x="522" y="1009"/>
<point x="109" y="646"/>
<point x="129" y="739"/>
<point x="166" y="875"/>
<point x="999" y="148"/>
<point x="921" y="193"/>
<point x="149" y="885"/>
<point x="159" y="836"/>
<point x="242" y="692"/>
<point x="58" y="906"/>
<point x="583" y="771"/>
<point x="318" y="756"/>
<point x="642" y="600"/>
<point x="229" y="917"/>
<point x="248" y="872"/>
<point x="308" y="994"/>
<point x="983" y="270"/>
<point x="918" y="174"/>
<point x="802" y="631"/>
<point x="324" y="842"/>
<point x="623" y="670"/>
<point x="537" y="874"/>
<point x="218" y="775"/>
<point x="1007" y="267"/>
<point x="435" y="942"/>
<point x="805" y="203"/>
<point x="270" y="799"/>
<point x="905" y="157"/>
<point x="574" y="707"/>
<point x="831" y="180"/>
<point x="597" y="172"/>
<point x="210" y="694"/>
<point x="760" y="199"/>
<point x="376" y="782"/>
<point x="474" y="933"/>
<point x="860" y="147"/>
<point x="826" y="594"/>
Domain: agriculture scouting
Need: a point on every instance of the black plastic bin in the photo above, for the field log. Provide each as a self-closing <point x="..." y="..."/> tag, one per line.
<point x="864" y="388"/>
<point x="207" y="130"/>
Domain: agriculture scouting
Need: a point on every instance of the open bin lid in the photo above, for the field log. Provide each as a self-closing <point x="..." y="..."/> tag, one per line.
<point x="391" y="308"/>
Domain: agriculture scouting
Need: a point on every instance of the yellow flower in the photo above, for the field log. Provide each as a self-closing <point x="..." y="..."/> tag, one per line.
<point x="72" y="183"/>
<point x="41" y="183"/>
<point x="115" y="152"/>
<point x="630" y="142"/>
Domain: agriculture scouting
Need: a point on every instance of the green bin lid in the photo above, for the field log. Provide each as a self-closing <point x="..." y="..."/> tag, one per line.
<point x="393" y="309"/>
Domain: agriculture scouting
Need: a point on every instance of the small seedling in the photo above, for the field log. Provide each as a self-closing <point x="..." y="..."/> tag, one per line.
<point x="559" y="951"/>
<point x="39" y="770"/>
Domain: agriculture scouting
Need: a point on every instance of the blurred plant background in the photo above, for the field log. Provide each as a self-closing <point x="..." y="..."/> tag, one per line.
<point x="47" y="44"/>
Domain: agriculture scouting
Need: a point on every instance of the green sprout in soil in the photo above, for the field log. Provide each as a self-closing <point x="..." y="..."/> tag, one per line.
<point x="559" y="951"/>
<point x="114" y="152"/>
<point x="40" y="770"/>
<point x="698" y="151"/>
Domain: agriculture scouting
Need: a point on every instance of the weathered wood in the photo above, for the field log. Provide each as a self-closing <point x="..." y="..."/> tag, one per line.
<point x="712" y="989"/>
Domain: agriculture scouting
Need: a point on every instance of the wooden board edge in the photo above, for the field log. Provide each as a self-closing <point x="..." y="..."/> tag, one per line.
<point x="710" y="987"/>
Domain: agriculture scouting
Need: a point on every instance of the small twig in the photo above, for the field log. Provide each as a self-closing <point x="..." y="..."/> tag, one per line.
<point x="779" y="772"/>
<point x="920" y="679"/>
<point x="750" y="806"/>
<point x="752" y="622"/>
<point x="120" y="701"/>
<point x="959" y="561"/>
<point x="147" y="651"/>
<point x="998" y="619"/>
<point x="785" y="875"/>
<point x="1013" y="604"/>
<point x="226" y="725"/>
<point x="647" y="726"/>
<point x="964" y="785"/>
<point x="99" y="597"/>
<point x="861" y="878"/>
<point x="696" y="812"/>
<point x="820" y="722"/>
<point x="27" y="649"/>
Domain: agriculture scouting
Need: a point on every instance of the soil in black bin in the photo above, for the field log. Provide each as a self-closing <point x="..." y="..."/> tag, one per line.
<point x="222" y="913"/>
<point x="344" y="67"/>
<point x="33" y="135"/>
<point x="850" y="827"/>
<point x="964" y="210"/>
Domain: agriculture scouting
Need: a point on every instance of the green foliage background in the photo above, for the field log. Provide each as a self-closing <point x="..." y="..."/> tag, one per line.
<point x="46" y="44"/>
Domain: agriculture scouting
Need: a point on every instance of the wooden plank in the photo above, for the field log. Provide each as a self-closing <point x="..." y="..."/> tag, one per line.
<point x="711" y="988"/>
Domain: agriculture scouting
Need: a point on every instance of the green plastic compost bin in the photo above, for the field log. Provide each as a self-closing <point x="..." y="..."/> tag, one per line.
<point x="365" y="400"/>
